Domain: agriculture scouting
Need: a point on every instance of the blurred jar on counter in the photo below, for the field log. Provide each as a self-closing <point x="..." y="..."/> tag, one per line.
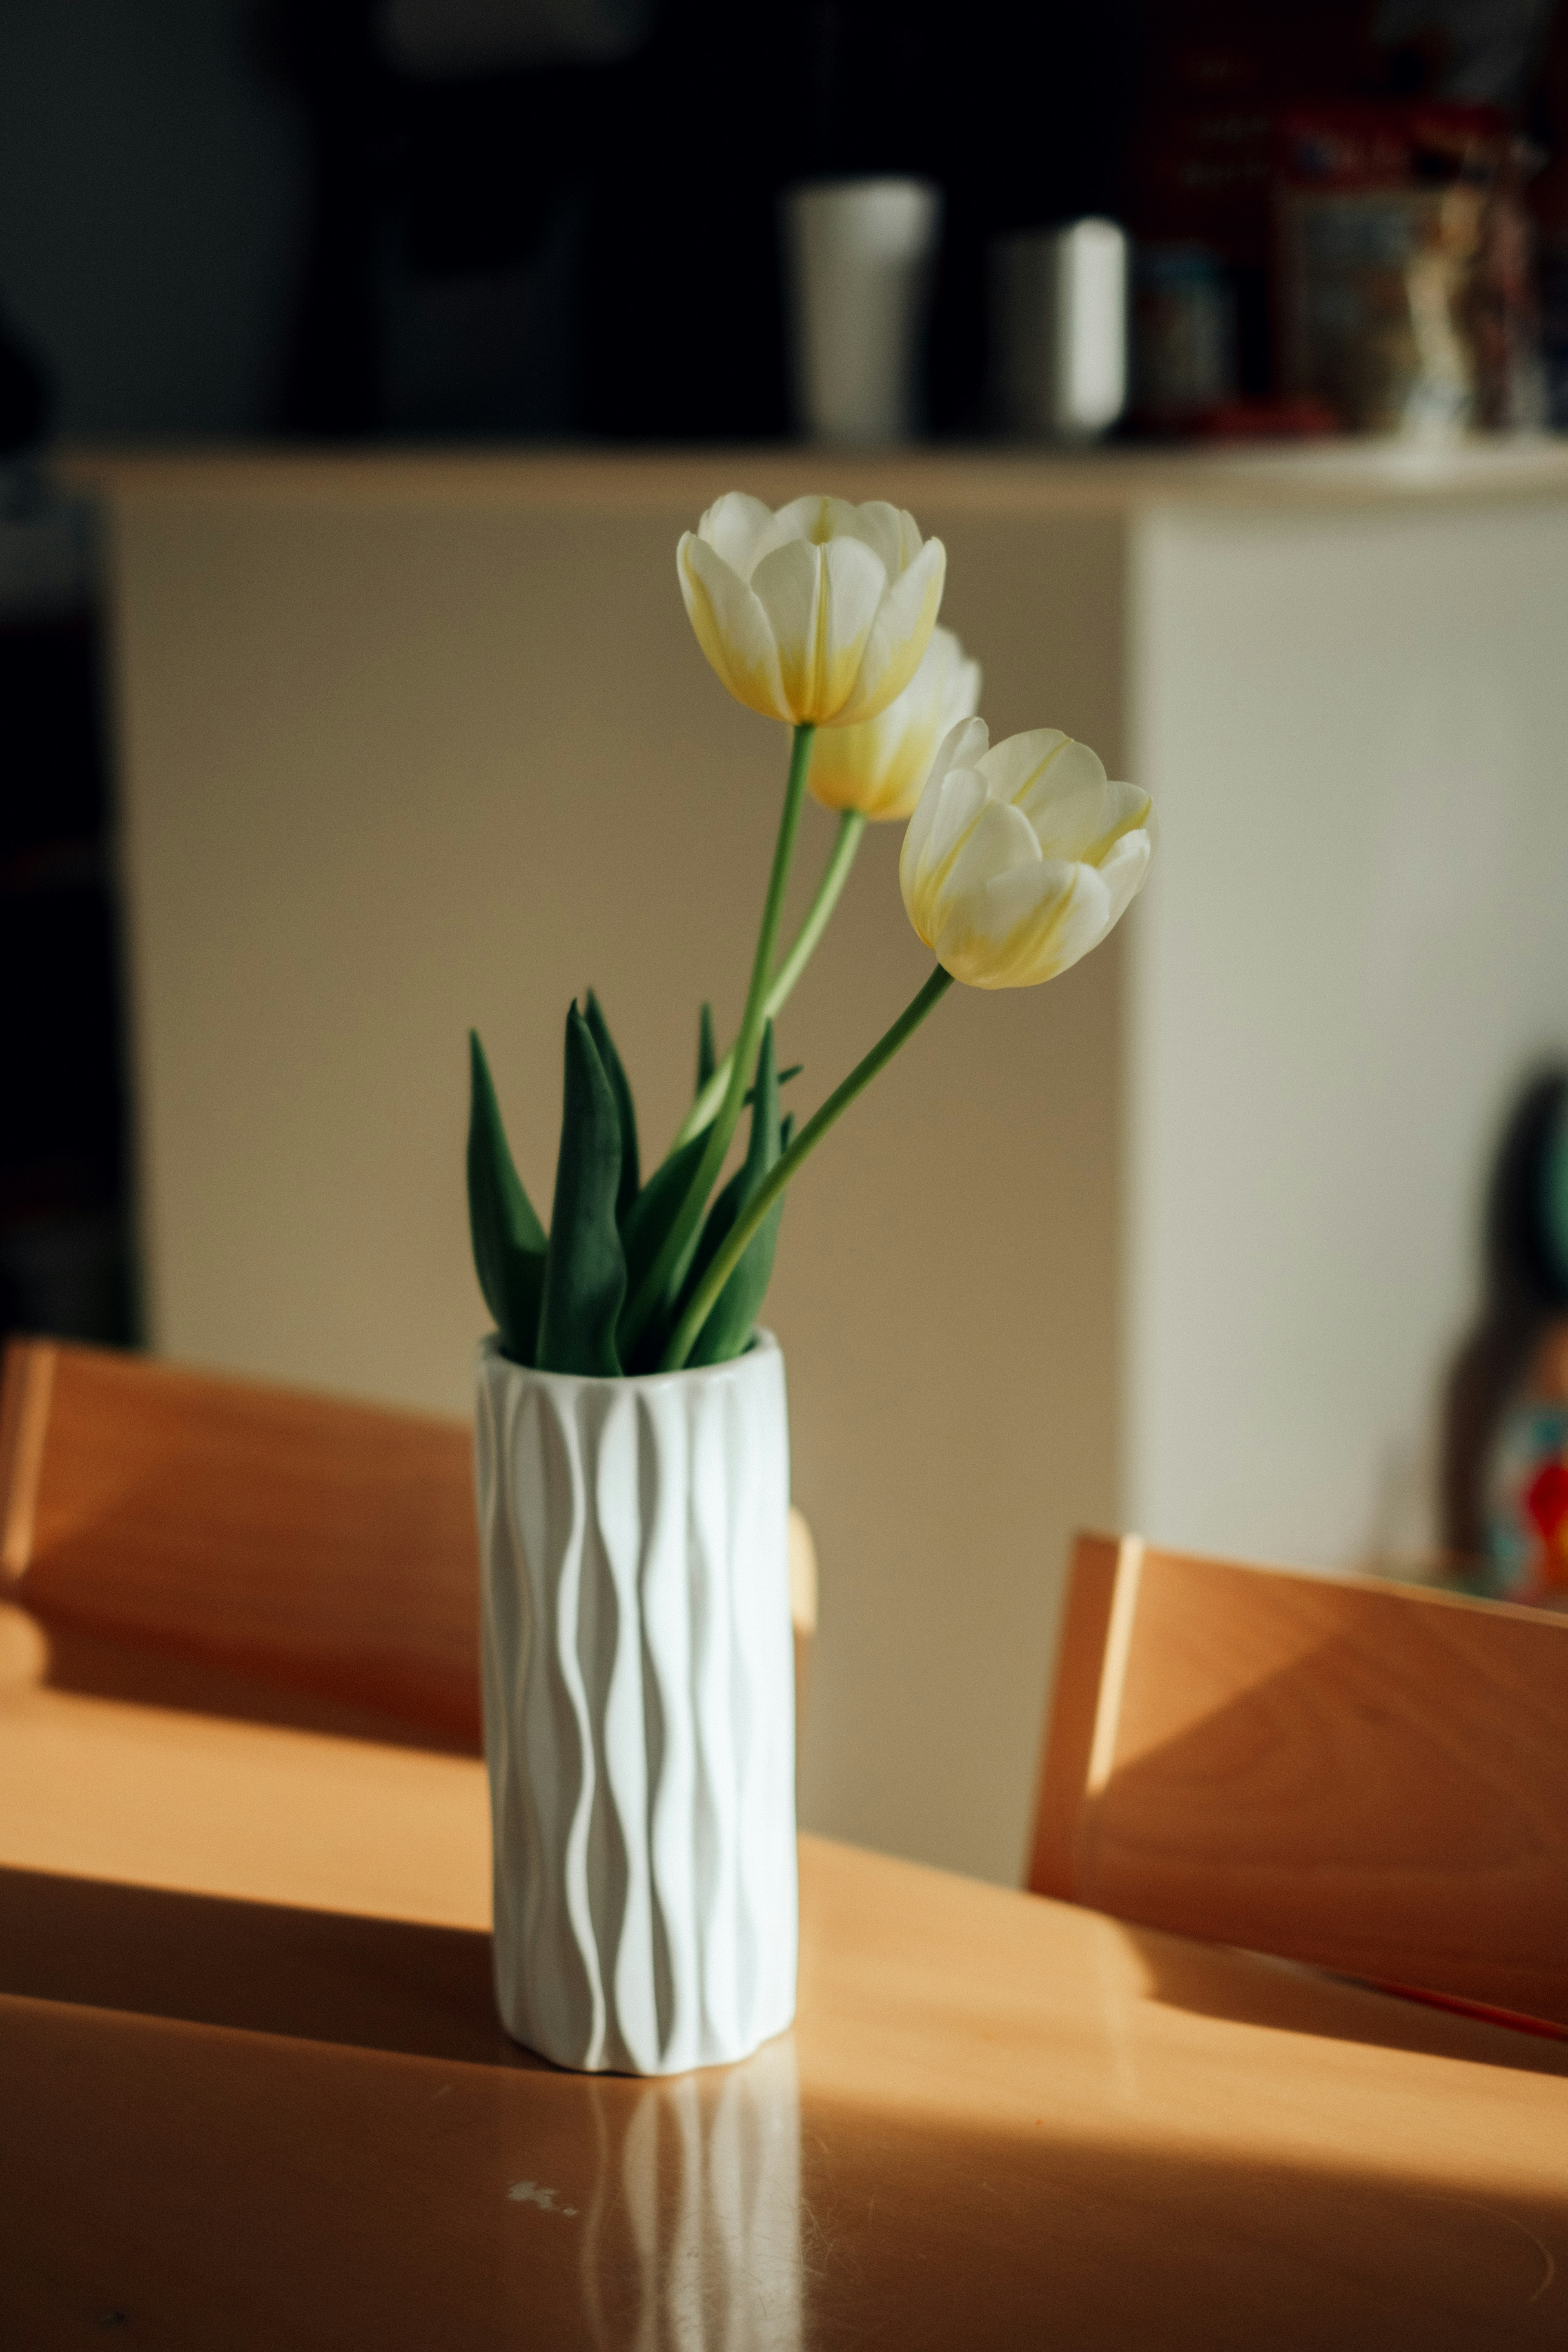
<point x="1183" y="336"/>
<point x="1406" y="295"/>
<point x="1215" y="77"/>
<point x="1549" y="207"/>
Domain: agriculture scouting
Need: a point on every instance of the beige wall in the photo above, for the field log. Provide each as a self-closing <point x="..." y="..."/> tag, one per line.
<point x="398" y="760"/>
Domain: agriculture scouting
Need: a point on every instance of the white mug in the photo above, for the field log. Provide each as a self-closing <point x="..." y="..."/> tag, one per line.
<point x="1058" y="300"/>
<point x="859" y="260"/>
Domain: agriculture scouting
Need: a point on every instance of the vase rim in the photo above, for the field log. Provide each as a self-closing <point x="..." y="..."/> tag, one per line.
<point x="759" y="1347"/>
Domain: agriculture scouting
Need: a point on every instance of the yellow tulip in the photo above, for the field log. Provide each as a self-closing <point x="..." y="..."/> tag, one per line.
<point x="819" y="613"/>
<point x="879" y="766"/>
<point x="1018" y="860"/>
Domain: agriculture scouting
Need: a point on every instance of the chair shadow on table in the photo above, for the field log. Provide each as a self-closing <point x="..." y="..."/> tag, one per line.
<point x="1293" y="1996"/>
<point x="367" y="1983"/>
<point x="190" y="1681"/>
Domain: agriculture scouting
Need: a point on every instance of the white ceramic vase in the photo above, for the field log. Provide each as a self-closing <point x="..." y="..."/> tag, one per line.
<point x="639" y="1709"/>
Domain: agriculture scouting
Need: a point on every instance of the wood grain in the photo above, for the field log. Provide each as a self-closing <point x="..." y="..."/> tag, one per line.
<point x="1363" y="1775"/>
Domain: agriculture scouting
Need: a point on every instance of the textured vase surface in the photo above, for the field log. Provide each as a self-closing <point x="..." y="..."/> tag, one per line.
<point x="639" y="1709"/>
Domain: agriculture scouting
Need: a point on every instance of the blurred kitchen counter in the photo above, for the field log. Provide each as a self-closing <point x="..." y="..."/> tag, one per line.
<point x="984" y="480"/>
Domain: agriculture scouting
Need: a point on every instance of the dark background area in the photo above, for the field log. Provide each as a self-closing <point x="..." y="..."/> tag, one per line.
<point x="221" y="217"/>
<point x="328" y="221"/>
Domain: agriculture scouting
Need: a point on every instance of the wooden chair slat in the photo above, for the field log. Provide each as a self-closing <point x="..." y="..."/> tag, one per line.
<point x="1367" y="1776"/>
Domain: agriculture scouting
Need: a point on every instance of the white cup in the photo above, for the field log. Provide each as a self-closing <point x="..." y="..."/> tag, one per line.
<point x="1058" y="303"/>
<point x="859" y="258"/>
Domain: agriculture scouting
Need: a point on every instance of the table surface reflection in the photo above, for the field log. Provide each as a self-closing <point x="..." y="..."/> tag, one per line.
<point x="252" y="2091"/>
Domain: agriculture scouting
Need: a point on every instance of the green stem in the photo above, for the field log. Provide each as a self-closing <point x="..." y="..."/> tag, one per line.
<point x="779" y="1175"/>
<point x="851" y="825"/>
<point x="682" y="1230"/>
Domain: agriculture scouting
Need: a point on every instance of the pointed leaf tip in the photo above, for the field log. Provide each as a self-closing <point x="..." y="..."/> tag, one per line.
<point x="585" y="1273"/>
<point x="508" y="1242"/>
<point x="630" y="1182"/>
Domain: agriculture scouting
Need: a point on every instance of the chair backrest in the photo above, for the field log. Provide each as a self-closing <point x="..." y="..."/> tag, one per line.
<point x="1367" y="1776"/>
<point x="328" y="1545"/>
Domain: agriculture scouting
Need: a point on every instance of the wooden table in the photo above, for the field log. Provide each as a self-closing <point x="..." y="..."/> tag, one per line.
<point x="252" y="2094"/>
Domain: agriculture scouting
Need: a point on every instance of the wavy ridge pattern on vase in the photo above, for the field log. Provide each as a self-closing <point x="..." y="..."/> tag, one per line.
<point x="639" y="1724"/>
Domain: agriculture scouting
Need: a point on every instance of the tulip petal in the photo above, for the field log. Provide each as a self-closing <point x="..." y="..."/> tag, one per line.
<point x="886" y="531"/>
<point x="820" y="602"/>
<point x="732" y="627"/>
<point x="963" y="746"/>
<point x="1076" y="920"/>
<point x="741" y="530"/>
<point x="948" y="807"/>
<point x="951" y="814"/>
<point x="1073" y="809"/>
<point x="806" y="518"/>
<point x="1000" y="838"/>
<point x="899" y="633"/>
<point x="1025" y="926"/>
<point x="882" y="766"/>
<point x="1126" y="810"/>
<point x="1125" y="869"/>
<point x="1011" y="766"/>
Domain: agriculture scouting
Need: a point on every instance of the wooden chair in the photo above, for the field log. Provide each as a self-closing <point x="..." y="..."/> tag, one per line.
<point x="296" y="1539"/>
<point x="1367" y="1776"/>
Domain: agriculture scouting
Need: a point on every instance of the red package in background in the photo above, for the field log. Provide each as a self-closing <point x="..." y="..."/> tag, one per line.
<point x="1217" y="75"/>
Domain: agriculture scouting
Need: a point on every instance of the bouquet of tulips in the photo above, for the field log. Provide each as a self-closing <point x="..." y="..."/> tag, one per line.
<point x="1017" y="859"/>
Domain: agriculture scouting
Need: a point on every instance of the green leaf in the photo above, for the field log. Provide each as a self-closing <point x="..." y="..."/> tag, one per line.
<point x="625" y="1110"/>
<point x="643" y="1234"/>
<point x="707" y="1052"/>
<point x="735" y="1311"/>
<point x="794" y="1071"/>
<point x="585" y="1272"/>
<point x="509" y="1241"/>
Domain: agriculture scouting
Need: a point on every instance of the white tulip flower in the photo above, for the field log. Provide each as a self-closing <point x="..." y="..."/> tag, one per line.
<point x="820" y="614"/>
<point x="1020" y="859"/>
<point x="879" y="766"/>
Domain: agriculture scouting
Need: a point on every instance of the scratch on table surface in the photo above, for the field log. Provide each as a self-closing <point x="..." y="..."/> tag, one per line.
<point x="1547" y="2256"/>
<point x="1477" y="2205"/>
<point x="532" y="2192"/>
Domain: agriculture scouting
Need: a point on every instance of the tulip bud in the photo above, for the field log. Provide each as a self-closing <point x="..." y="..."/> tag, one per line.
<point x="820" y="614"/>
<point x="879" y="766"/>
<point x="1020" y="859"/>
